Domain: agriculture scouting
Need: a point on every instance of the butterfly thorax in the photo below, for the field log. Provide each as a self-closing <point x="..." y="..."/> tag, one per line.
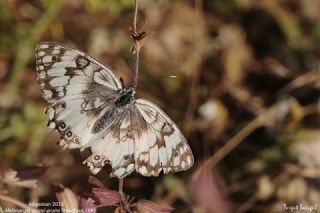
<point x="122" y="103"/>
<point x="125" y="97"/>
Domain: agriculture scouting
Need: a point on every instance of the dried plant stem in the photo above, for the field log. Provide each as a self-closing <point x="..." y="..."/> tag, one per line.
<point x="136" y="74"/>
<point x="233" y="142"/>
<point x="18" y="203"/>
<point x="311" y="109"/>
<point x="135" y="16"/>
<point x="121" y="186"/>
<point x="136" y="70"/>
<point x="307" y="78"/>
<point x="195" y="80"/>
<point x="280" y="178"/>
<point x="136" y="48"/>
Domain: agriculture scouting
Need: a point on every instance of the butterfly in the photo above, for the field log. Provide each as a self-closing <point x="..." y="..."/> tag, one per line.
<point x="91" y="108"/>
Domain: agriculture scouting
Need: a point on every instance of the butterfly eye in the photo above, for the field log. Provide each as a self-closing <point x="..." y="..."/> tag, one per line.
<point x="63" y="125"/>
<point x="96" y="157"/>
<point x="176" y="154"/>
<point x="126" y="157"/>
<point x="69" y="134"/>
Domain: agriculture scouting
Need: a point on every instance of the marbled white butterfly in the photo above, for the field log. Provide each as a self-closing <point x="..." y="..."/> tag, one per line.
<point x="91" y="109"/>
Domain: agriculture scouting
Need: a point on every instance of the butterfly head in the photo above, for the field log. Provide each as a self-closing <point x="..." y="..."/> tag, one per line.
<point x="130" y="91"/>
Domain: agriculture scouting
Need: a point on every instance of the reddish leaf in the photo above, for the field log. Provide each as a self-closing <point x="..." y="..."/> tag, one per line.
<point x="147" y="206"/>
<point x="206" y="192"/>
<point x="87" y="204"/>
<point x="106" y="197"/>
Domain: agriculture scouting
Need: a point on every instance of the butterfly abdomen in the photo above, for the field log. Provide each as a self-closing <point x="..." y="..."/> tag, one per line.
<point x="125" y="99"/>
<point x="103" y="121"/>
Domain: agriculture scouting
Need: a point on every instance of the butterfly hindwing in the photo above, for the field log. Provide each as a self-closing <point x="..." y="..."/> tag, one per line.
<point x="114" y="145"/>
<point x="142" y="138"/>
<point x="159" y="144"/>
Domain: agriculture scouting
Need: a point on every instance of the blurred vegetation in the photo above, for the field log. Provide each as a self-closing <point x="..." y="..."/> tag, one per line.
<point x="246" y="95"/>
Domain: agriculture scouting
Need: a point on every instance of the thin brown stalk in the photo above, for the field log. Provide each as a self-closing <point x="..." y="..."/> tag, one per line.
<point x="136" y="74"/>
<point x="280" y="178"/>
<point x="307" y="78"/>
<point x="135" y="45"/>
<point x="233" y="142"/>
<point x="136" y="70"/>
<point x="194" y="88"/>
<point x="135" y="17"/>
<point x="121" y="186"/>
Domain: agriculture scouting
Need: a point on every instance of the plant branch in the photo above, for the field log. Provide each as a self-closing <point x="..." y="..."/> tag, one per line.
<point x="135" y="17"/>
<point x="234" y="142"/>
<point x="280" y="178"/>
<point x="135" y="44"/>
<point x="121" y="186"/>
<point x="136" y="70"/>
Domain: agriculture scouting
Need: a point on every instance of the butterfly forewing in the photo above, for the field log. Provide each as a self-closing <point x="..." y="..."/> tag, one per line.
<point x="90" y="109"/>
<point x="78" y="87"/>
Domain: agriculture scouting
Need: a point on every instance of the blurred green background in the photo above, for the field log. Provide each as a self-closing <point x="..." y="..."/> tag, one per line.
<point x="246" y="95"/>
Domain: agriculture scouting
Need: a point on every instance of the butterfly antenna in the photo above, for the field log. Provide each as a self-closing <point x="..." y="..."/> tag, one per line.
<point x="123" y="83"/>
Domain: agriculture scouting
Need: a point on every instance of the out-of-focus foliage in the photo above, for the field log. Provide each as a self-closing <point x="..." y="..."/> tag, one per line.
<point x="113" y="7"/>
<point x="246" y="95"/>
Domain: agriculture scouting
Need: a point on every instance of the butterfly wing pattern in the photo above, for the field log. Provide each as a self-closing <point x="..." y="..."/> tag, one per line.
<point x="160" y="144"/>
<point x="90" y="109"/>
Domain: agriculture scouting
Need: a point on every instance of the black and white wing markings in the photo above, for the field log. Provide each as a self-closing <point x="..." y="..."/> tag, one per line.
<point x="159" y="144"/>
<point x="60" y="66"/>
<point x="90" y="109"/>
<point x="142" y="138"/>
<point x="79" y="88"/>
<point x="115" y="146"/>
